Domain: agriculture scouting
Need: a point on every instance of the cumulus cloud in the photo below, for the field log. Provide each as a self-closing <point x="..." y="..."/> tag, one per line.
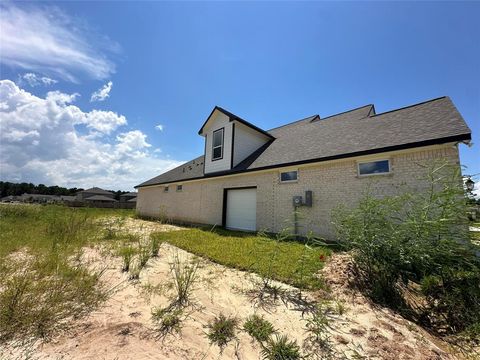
<point x="33" y="80"/>
<point x="44" y="39"/>
<point x="48" y="140"/>
<point x="102" y="93"/>
<point x="159" y="127"/>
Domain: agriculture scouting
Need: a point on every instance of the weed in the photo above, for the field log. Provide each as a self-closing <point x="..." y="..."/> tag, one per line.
<point x="168" y="320"/>
<point x="154" y="246"/>
<point x="65" y="291"/>
<point x="134" y="272"/>
<point x="258" y="328"/>
<point x="280" y="348"/>
<point x="340" y="307"/>
<point x="127" y="253"/>
<point x="222" y="330"/>
<point x="143" y="256"/>
<point x="113" y="227"/>
<point x="184" y="277"/>
<point x="318" y="339"/>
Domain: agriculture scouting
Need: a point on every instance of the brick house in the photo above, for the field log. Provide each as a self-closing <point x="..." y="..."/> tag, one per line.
<point x="252" y="179"/>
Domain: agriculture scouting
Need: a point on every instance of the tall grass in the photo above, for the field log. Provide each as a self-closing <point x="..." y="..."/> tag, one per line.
<point x="43" y="286"/>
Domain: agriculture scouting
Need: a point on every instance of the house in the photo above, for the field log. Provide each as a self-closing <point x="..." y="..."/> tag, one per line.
<point x="9" y="198"/>
<point x="40" y="198"/>
<point x="253" y="179"/>
<point x="96" y="194"/>
<point x="128" y="197"/>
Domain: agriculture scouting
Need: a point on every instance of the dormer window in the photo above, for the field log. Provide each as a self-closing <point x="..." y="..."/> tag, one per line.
<point x="217" y="144"/>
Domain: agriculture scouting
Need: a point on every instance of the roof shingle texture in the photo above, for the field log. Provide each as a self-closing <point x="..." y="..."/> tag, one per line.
<point x="346" y="133"/>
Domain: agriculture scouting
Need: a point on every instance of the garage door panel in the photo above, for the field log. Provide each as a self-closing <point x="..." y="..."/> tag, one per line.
<point x="241" y="209"/>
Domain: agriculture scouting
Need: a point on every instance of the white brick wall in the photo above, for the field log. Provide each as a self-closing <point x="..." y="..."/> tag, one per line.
<point x="332" y="183"/>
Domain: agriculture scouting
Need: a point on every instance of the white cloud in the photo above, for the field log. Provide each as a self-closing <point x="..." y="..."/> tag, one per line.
<point x="102" y="93"/>
<point x="42" y="143"/>
<point x="159" y="127"/>
<point x="33" y="80"/>
<point x="46" y="40"/>
<point x="102" y="121"/>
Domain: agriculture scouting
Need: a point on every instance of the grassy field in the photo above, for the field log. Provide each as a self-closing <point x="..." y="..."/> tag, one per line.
<point x="288" y="261"/>
<point x="42" y="228"/>
<point x="43" y="282"/>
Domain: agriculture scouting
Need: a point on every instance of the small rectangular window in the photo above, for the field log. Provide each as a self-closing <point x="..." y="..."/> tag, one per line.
<point x="217" y="144"/>
<point x="289" y="176"/>
<point x="374" y="167"/>
<point x="165" y="189"/>
<point x="179" y="187"/>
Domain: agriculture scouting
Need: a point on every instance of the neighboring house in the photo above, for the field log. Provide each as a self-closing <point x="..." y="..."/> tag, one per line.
<point x="128" y="197"/>
<point x="106" y="196"/>
<point x="251" y="179"/>
<point x="99" y="199"/>
<point x="40" y="198"/>
<point x="9" y="198"/>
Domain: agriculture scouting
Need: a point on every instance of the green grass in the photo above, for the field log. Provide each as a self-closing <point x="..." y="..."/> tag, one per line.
<point x="43" y="283"/>
<point x="287" y="261"/>
<point x="41" y="228"/>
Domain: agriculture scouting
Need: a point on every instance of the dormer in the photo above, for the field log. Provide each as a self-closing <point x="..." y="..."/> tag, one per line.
<point x="229" y="140"/>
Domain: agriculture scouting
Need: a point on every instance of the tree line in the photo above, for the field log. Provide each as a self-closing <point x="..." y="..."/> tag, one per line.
<point x="16" y="189"/>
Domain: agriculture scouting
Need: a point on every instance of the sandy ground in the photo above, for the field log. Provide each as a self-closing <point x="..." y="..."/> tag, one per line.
<point x="123" y="329"/>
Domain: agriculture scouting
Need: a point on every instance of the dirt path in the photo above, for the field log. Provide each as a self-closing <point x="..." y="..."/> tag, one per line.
<point x="123" y="329"/>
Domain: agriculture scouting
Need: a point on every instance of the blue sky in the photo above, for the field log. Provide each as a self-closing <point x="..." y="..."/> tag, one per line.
<point x="169" y="64"/>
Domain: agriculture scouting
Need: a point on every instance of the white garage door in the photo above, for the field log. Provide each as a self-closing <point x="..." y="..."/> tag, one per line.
<point x="242" y="209"/>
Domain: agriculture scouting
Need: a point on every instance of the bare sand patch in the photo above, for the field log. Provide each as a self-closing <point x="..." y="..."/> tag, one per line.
<point x="122" y="328"/>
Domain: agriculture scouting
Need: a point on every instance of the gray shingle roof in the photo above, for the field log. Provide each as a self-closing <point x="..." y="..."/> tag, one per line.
<point x="356" y="132"/>
<point x="96" y="190"/>
<point x="99" y="198"/>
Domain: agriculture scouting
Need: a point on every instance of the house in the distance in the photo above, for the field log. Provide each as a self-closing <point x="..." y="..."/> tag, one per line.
<point x="128" y="197"/>
<point x="96" y="197"/>
<point x="253" y="179"/>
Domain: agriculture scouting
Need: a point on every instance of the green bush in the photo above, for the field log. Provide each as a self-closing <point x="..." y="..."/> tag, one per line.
<point x="280" y="348"/>
<point x="258" y="328"/>
<point x="222" y="330"/>
<point x="418" y="240"/>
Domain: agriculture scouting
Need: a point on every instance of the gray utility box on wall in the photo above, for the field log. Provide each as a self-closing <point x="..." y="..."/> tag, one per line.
<point x="298" y="200"/>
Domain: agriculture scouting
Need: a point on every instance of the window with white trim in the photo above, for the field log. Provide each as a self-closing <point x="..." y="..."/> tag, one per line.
<point x="217" y="144"/>
<point x="179" y="187"/>
<point x="165" y="189"/>
<point x="289" y="176"/>
<point x="377" y="167"/>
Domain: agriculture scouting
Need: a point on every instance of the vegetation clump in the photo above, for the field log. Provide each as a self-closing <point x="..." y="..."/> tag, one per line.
<point x="280" y="348"/>
<point x="414" y="253"/>
<point x="222" y="330"/>
<point x="258" y="328"/>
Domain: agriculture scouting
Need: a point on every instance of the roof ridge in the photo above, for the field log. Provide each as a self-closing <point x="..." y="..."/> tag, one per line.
<point x="293" y="122"/>
<point x="344" y="112"/>
<point x="409" y="106"/>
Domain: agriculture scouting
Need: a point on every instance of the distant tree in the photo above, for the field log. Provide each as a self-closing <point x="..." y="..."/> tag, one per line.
<point x="9" y="188"/>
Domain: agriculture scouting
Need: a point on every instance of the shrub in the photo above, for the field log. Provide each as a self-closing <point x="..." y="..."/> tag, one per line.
<point x="258" y="328"/>
<point x="418" y="240"/>
<point x="280" y="348"/>
<point x="222" y="330"/>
